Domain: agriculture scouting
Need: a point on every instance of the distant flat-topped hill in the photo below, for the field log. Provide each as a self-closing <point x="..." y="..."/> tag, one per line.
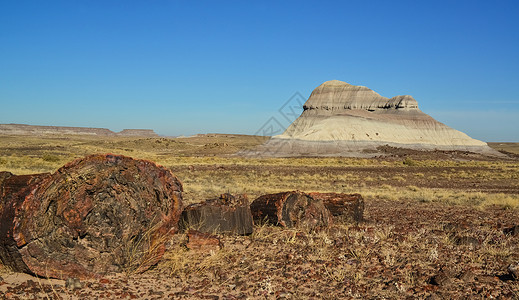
<point x="340" y="119"/>
<point x="22" y="129"/>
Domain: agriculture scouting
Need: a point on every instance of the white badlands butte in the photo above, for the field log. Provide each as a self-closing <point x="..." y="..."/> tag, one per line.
<point x="344" y="119"/>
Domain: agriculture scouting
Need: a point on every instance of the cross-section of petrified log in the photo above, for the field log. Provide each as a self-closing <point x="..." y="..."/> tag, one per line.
<point x="96" y="215"/>
<point x="226" y="214"/>
<point x="13" y="190"/>
<point x="345" y="207"/>
<point x="291" y="209"/>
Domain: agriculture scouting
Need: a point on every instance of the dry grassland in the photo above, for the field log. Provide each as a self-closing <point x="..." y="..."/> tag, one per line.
<point x="434" y="228"/>
<point x="206" y="166"/>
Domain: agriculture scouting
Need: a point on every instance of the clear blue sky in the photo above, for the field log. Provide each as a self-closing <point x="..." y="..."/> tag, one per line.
<point x="186" y="67"/>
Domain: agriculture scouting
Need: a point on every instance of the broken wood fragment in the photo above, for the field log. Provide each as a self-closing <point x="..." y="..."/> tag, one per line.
<point x="202" y="241"/>
<point x="225" y="214"/>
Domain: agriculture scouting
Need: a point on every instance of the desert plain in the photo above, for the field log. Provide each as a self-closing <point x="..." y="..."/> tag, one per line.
<point x="437" y="224"/>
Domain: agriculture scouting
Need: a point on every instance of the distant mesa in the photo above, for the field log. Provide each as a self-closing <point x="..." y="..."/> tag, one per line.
<point x="22" y="129"/>
<point x="137" y="132"/>
<point x="340" y="119"/>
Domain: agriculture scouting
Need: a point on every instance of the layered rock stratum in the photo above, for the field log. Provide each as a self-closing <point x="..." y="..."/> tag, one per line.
<point x="340" y="119"/>
<point x="23" y="129"/>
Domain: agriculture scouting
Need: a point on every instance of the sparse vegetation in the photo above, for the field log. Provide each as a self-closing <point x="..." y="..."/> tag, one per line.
<point x="421" y="214"/>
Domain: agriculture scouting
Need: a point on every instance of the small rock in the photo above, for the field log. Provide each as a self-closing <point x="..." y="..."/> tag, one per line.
<point x="202" y="241"/>
<point x="73" y="283"/>
<point x="443" y="278"/>
<point x="467" y="241"/>
<point x="467" y="276"/>
<point x="488" y="279"/>
<point x="77" y="284"/>
<point x="514" y="230"/>
<point x="69" y="283"/>
<point x="513" y="269"/>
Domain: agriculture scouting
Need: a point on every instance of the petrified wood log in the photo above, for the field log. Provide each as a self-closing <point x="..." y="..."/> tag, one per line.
<point x="291" y="209"/>
<point x="345" y="207"/>
<point x="13" y="190"/>
<point x="226" y="214"/>
<point x="96" y="215"/>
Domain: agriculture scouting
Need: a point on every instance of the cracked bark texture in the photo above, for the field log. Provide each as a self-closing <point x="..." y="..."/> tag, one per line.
<point x="97" y="215"/>
<point x="13" y="190"/>
<point x="226" y="214"/>
<point x="291" y="209"/>
<point x="348" y="208"/>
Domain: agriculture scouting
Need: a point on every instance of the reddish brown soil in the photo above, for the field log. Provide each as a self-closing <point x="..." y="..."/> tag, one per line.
<point x="403" y="249"/>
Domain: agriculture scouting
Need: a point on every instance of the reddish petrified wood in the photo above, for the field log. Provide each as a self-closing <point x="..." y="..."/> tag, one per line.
<point x="96" y="215"/>
<point x="202" y="241"/>
<point x="13" y="190"/>
<point x="291" y="209"/>
<point x="226" y="214"/>
<point x="345" y="207"/>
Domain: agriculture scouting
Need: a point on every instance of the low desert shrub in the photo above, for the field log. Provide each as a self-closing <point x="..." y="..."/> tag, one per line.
<point x="409" y="162"/>
<point x="50" y="158"/>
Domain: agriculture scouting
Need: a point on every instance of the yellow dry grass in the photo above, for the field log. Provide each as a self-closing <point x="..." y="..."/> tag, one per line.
<point x="206" y="166"/>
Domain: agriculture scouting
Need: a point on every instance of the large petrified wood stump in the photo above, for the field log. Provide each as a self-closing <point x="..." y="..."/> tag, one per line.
<point x="344" y="207"/>
<point x="13" y="190"/>
<point x="96" y="215"/>
<point x="226" y="214"/>
<point x="291" y="209"/>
